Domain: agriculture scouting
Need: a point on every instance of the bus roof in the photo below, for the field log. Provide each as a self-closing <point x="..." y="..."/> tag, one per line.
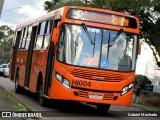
<point x="60" y="11"/>
<point x="41" y="18"/>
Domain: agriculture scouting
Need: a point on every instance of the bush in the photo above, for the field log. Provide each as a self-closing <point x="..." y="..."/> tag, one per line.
<point x="145" y="80"/>
<point x="149" y="98"/>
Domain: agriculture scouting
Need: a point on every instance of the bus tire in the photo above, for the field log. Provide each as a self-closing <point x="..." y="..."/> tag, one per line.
<point x="103" y="108"/>
<point x="42" y="100"/>
<point x="17" y="87"/>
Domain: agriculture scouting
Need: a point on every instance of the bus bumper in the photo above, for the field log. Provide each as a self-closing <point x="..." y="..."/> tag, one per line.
<point x="58" y="91"/>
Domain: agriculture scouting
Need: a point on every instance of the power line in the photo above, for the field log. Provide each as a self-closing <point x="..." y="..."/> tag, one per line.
<point x="11" y="9"/>
<point x="15" y="12"/>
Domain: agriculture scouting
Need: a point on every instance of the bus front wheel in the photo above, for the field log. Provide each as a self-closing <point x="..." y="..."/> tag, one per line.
<point x="42" y="100"/>
<point x="103" y="108"/>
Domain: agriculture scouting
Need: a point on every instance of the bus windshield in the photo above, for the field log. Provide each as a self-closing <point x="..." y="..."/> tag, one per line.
<point x="109" y="49"/>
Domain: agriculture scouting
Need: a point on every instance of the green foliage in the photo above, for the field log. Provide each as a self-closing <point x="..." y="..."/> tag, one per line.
<point x="145" y="80"/>
<point x="99" y="4"/>
<point x="6" y="38"/>
<point x="55" y="4"/>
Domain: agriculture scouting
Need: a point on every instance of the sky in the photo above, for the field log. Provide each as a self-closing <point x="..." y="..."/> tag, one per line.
<point x="22" y="10"/>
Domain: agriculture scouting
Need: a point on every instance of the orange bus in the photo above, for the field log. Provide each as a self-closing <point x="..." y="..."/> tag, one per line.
<point x="79" y="54"/>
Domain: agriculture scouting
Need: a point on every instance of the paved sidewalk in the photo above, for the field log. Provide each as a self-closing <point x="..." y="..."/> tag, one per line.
<point x="146" y="108"/>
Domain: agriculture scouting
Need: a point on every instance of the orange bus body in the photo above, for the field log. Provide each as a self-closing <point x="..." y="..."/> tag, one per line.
<point x="87" y="84"/>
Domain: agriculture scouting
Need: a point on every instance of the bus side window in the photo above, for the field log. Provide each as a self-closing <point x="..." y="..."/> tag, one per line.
<point x="39" y="42"/>
<point x="47" y="34"/>
<point x="20" y="44"/>
<point x="18" y="38"/>
<point x="28" y="37"/>
<point x="41" y="29"/>
<point x="23" y="38"/>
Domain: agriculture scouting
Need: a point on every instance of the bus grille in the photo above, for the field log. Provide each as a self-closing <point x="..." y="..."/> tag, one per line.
<point x="85" y="94"/>
<point x="99" y="76"/>
<point x="108" y="96"/>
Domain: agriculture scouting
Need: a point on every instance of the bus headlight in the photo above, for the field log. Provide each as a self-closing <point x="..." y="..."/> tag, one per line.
<point x="63" y="81"/>
<point x="59" y="77"/>
<point x="127" y="88"/>
<point x="66" y="83"/>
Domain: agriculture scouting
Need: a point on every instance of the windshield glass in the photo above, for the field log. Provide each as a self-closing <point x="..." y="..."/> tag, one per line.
<point x="97" y="48"/>
<point x="4" y="66"/>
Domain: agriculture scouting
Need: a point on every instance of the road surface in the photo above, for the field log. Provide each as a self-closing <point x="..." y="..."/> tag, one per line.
<point x="72" y="110"/>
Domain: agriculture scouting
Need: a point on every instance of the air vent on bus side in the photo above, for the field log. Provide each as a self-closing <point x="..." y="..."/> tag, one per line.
<point x="94" y="75"/>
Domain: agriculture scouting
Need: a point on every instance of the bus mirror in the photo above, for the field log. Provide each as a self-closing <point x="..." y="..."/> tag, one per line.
<point x="55" y="35"/>
<point x="139" y="49"/>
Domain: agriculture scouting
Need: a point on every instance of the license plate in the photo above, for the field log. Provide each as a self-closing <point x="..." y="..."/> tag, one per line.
<point x="96" y="96"/>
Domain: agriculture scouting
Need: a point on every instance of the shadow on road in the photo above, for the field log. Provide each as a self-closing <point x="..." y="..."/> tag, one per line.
<point x="72" y="109"/>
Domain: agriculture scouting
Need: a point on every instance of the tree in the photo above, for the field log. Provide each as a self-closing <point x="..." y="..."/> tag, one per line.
<point x="54" y="4"/>
<point x="148" y="11"/>
<point x="6" y="38"/>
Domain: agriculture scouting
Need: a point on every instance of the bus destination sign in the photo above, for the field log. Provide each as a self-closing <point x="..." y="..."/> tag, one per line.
<point x="104" y="18"/>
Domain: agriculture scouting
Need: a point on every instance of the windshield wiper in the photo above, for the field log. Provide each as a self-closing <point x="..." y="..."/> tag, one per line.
<point x="116" y="37"/>
<point x="114" y="40"/>
<point x="87" y="33"/>
<point x="94" y="43"/>
<point x="108" y="45"/>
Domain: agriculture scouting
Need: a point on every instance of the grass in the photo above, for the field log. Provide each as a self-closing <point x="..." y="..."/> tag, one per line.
<point x="16" y="104"/>
<point x="149" y="98"/>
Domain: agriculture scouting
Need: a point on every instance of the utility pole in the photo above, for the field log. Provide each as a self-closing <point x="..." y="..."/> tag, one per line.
<point x="1" y="6"/>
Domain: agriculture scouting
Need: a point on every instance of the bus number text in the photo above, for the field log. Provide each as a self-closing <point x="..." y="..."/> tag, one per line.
<point x="81" y="83"/>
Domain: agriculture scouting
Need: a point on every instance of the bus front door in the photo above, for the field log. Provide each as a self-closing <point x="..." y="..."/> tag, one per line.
<point x="14" y="55"/>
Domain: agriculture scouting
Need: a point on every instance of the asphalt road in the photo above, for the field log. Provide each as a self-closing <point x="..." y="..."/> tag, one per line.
<point x="72" y="110"/>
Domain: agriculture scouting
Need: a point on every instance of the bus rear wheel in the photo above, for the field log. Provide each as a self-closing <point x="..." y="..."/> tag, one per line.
<point x="17" y="87"/>
<point x="103" y="108"/>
